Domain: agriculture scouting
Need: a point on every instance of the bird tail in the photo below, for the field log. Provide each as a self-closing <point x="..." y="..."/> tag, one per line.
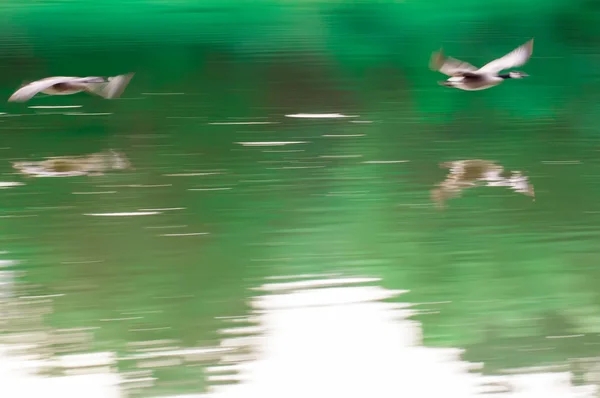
<point x="437" y="60"/>
<point x="117" y="84"/>
<point x="111" y="89"/>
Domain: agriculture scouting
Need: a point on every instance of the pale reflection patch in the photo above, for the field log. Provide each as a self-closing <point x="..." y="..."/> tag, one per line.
<point x="94" y="193"/>
<point x="385" y="161"/>
<point x="343" y="135"/>
<point x="271" y="143"/>
<point x="319" y="115"/>
<point x="561" y="161"/>
<point x="18" y="377"/>
<point x="227" y="123"/>
<point x="340" y="156"/>
<point x="163" y="93"/>
<point x="190" y="174"/>
<point x="308" y="336"/>
<point x="55" y="106"/>
<point x="339" y="338"/>
<point x="210" y="189"/>
<point x="9" y="184"/>
<point x="164" y="209"/>
<point x="87" y="114"/>
<point x="125" y="214"/>
<point x="187" y="234"/>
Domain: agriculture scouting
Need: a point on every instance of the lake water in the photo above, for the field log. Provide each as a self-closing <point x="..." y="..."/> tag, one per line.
<point x="277" y="232"/>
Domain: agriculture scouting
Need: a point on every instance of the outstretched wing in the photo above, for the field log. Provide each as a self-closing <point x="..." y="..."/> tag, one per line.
<point x="111" y="89"/>
<point x="448" y="65"/>
<point x="517" y="57"/>
<point x="26" y="92"/>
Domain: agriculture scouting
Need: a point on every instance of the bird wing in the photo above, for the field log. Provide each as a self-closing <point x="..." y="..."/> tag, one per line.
<point x="517" y="57"/>
<point x="113" y="88"/>
<point x="26" y="92"/>
<point x="448" y="65"/>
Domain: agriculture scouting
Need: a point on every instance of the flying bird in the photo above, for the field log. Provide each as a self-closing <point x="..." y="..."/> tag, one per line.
<point x="465" y="76"/>
<point x="109" y="88"/>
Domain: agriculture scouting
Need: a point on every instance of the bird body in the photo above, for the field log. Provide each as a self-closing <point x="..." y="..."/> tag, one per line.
<point x="109" y="88"/>
<point x="465" y="76"/>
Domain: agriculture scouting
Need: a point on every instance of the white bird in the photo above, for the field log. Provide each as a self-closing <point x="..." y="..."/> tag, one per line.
<point x="465" y="76"/>
<point x="109" y="88"/>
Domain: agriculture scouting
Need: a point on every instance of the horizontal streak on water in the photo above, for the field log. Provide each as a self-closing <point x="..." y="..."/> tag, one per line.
<point x="319" y="115"/>
<point x="343" y="135"/>
<point x="228" y="123"/>
<point x="125" y="214"/>
<point x="87" y="114"/>
<point x="93" y="193"/>
<point x="385" y="161"/>
<point x="209" y="189"/>
<point x="189" y="174"/>
<point x="165" y="209"/>
<point x="54" y="106"/>
<point x="163" y="93"/>
<point x="187" y="234"/>
<point x="271" y="143"/>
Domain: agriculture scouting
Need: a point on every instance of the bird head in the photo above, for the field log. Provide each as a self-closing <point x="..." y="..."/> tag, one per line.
<point x="517" y="75"/>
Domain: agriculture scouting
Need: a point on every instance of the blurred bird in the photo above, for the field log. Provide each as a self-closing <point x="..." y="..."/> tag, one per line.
<point x="465" y="76"/>
<point x="109" y="88"/>
<point x="72" y="166"/>
<point x="476" y="172"/>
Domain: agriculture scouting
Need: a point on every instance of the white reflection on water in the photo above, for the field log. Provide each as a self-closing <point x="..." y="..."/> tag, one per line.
<point x="124" y="214"/>
<point x="18" y="376"/>
<point x="311" y="336"/>
<point x="10" y="184"/>
<point x="54" y="106"/>
<point x="92" y="375"/>
<point x="323" y="339"/>
<point x="234" y="123"/>
<point x="319" y="115"/>
<point x="271" y="143"/>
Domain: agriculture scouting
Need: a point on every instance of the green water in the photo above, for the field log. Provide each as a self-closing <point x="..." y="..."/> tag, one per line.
<point x="518" y="270"/>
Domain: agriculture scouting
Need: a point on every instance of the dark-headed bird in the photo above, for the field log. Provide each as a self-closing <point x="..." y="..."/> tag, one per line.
<point x="465" y="76"/>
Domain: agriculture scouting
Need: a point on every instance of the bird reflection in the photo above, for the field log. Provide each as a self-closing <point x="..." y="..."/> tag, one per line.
<point x="71" y="166"/>
<point x="472" y="173"/>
